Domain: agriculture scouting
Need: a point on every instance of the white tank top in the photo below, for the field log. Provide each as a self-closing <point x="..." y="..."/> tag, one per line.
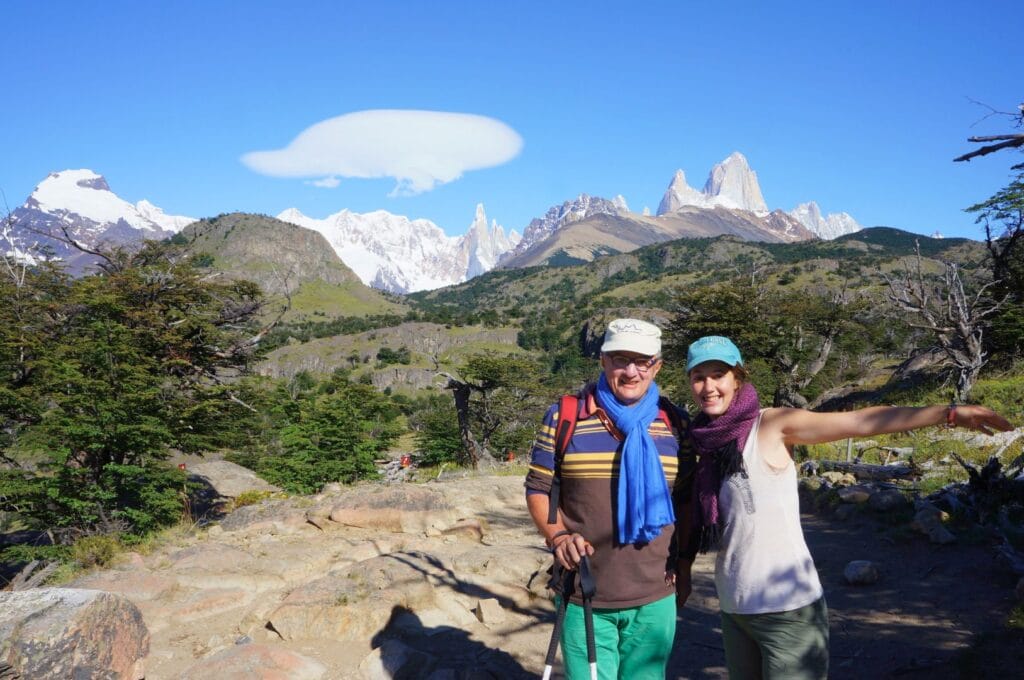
<point x="763" y="563"/>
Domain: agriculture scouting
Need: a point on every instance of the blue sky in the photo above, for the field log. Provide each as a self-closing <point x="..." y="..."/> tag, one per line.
<point x="858" y="106"/>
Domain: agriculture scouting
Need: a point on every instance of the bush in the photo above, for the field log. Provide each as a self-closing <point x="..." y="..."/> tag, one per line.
<point x="96" y="551"/>
<point x="251" y="497"/>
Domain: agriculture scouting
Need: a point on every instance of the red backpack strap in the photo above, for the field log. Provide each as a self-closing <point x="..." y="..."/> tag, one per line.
<point x="568" y="413"/>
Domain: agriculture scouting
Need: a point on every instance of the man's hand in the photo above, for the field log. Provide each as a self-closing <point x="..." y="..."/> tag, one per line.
<point x="570" y="548"/>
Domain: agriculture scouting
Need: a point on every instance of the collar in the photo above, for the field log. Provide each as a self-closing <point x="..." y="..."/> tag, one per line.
<point x="588" y="408"/>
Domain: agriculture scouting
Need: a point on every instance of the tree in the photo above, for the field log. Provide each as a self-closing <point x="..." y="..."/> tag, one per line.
<point x="792" y="332"/>
<point x="126" y="365"/>
<point x="493" y="401"/>
<point x="436" y="427"/>
<point x="335" y="435"/>
<point x="1003" y="218"/>
<point x="957" y="318"/>
<point x="994" y="143"/>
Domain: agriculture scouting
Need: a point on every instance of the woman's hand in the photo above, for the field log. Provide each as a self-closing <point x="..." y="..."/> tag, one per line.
<point x="570" y="548"/>
<point x="979" y="418"/>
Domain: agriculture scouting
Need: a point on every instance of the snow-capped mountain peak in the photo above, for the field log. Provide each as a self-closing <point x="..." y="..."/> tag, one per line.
<point x="80" y="204"/>
<point x="731" y="184"/>
<point x="86" y="195"/>
<point x="395" y="253"/>
<point x="558" y="216"/>
<point x="830" y="226"/>
<point x="484" y="246"/>
<point x="734" y="185"/>
<point x="680" y="194"/>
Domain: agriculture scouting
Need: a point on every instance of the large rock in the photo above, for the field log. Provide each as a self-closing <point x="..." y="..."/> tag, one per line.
<point x="64" y="633"/>
<point x="399" y="509"/>
<point x="929" y="520"/>
<point x="860" y="573"/>
<point x="888" y="500"/>
<point x="230" y="480"/>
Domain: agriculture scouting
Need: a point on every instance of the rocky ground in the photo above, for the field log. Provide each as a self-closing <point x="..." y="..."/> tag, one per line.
<point x="445" y="580"/>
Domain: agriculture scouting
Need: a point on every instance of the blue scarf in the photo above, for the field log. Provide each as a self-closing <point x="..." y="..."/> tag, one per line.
<point x="645" y="505"/>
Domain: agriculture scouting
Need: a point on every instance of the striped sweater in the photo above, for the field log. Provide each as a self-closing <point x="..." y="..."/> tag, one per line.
<point x="630" y="575"/>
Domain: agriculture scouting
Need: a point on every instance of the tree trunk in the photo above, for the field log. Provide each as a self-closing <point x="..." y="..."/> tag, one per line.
<point x="873" y="472"/>
<point x="461" y="392"/>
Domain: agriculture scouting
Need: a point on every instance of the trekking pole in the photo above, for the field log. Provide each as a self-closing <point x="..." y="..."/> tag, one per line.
<point x="568" y="585"/>
<point x="588" y="589"/>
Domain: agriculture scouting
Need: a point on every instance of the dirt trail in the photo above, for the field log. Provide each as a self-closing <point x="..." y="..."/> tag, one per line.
<point x="926" y="608"/>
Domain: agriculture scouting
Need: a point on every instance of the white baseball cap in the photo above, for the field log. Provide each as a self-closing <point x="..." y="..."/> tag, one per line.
<point x="632" y="335"/>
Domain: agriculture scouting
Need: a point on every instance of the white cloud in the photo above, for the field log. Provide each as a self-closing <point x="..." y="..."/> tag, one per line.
<point x="419" y="149"/>
<point x="325" y="183"/>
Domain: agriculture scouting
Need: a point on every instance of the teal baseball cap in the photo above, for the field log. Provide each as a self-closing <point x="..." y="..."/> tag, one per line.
<point x="712" y="348"/>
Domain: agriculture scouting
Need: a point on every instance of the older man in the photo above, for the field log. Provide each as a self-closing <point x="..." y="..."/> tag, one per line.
<point x="622" y="482"/>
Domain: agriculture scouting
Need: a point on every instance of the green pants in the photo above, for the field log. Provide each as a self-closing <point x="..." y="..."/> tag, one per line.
<point x="632" y="644"/>
<point x="789" y="645"/>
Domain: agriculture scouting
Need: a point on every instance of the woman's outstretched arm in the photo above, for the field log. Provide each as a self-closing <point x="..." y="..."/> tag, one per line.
<point x="799" y="426"/>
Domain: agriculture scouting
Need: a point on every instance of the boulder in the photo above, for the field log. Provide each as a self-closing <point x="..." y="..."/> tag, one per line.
<point x="489" y="612"/>
<point x="888" y="500"/>
<point x="854" y="494"/>
<point x="228" y="479"/>
<point x="278" y="517"/>
<point x="246" y="661"/>
<point x="398" y="509"/>
<point x="860" y="573"/>
<point x="929" y="520"/>
<point x="839" y="478"/>
<point x="72" y="633"/>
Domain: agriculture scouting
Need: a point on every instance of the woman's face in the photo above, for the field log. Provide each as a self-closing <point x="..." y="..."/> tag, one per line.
<point x="714" y="385"/>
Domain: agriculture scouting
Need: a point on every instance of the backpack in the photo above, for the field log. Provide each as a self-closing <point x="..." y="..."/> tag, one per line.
<point x="568" y="414"/>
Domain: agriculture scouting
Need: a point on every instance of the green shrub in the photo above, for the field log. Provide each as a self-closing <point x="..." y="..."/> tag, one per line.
<point x="251" y="497"/>
<point x="96" y="551"/>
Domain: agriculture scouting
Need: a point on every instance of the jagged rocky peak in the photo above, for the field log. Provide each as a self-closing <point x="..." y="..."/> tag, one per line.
<point x="734" y="185"/>
<point x="582" y="207"/>
<point x="680" y="194"/>
<point x="731" y="184"/>
<point x="483" y="246"/>
<point x="829" y="226"/>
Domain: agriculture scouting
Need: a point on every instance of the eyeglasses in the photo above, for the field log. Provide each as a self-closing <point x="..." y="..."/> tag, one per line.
<point x="643" y="364"/>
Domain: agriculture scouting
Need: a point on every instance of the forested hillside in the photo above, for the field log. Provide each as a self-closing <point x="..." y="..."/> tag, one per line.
<point x="170" y="350"/>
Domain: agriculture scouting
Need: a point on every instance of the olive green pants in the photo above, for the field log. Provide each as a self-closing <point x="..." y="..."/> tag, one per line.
<point x="789" y="645"/>
<point x="632" y="644"/>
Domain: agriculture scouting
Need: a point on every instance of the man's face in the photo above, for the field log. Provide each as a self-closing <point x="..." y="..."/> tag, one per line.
<point x="629" y="374"/>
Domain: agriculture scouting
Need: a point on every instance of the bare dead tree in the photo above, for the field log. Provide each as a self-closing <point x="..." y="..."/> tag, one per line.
<point x="1007" y="141"/>
<point x="945" y="308"/>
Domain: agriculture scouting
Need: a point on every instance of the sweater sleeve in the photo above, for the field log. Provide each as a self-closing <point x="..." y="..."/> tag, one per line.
<point x="542" y="455"/>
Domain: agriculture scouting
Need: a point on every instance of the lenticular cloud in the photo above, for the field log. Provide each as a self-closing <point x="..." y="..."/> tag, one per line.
<point x="420" y="149"/>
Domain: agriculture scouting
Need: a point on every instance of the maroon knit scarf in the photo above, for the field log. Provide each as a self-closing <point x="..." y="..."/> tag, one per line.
<point x="719" y="444"/>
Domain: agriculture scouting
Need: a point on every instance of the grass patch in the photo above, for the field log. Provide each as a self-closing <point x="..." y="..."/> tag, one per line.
<point x="349" y="299"/>
<point x="252" y="497"/>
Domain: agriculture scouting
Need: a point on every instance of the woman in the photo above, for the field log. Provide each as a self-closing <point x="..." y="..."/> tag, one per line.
<point x="774" y="618"/>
